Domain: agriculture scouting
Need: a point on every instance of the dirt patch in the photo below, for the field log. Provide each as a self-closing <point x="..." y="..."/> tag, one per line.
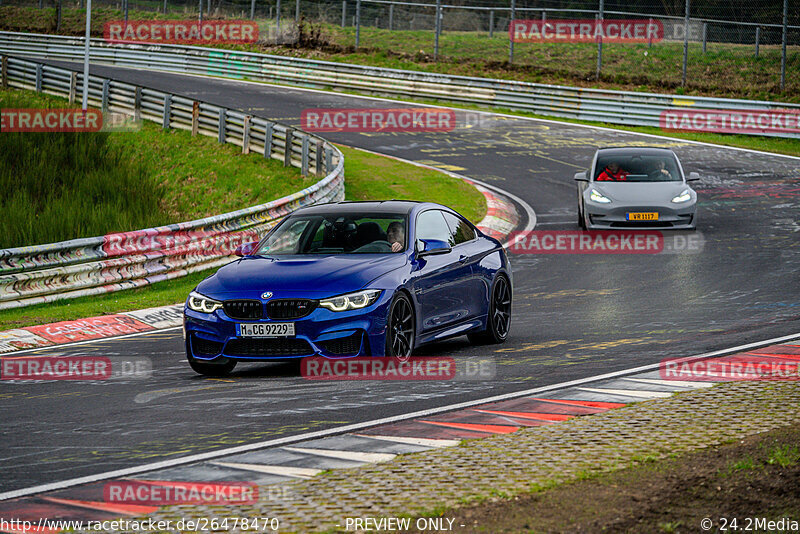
<point x="757" y="477"/>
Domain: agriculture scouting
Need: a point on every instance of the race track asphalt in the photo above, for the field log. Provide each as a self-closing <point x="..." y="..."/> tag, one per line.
<point x="574" y="316"/>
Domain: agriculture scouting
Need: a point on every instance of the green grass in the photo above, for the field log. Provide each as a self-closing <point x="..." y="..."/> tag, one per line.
<point x="65" y="186"/>
<point x="728" y="70"/>
<point x="367" y="176"/>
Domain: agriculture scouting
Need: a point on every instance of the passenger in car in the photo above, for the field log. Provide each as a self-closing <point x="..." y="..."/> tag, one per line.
<point x="613" y="173"/>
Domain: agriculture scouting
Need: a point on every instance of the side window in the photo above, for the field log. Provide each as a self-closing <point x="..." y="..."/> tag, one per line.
<point x="431" y="225"/>
<point x="461" y="229"/>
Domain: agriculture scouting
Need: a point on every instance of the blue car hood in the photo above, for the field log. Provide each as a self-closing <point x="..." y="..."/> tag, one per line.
<point x="308" y="276"/>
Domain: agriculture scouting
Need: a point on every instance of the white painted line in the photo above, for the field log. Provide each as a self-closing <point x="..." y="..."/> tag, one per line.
<point x="422" y="442"/>
<point x="366" y="457"/>
<point x="205" y="456"/>
<point x="675" y="383"/>
<point x="280" y="470"/>
<point x="637" y="393"/>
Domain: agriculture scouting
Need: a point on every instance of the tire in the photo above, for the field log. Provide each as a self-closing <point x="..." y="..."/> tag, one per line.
<point x="400" y="328"/>
<point x="581" y="220"/>
<point x="212" y="369"/>
<point x="499" y="320"/>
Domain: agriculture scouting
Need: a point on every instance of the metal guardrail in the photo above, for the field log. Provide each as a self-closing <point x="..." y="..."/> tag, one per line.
<point x="615" y="107"/>
<point x="90" y="266"/>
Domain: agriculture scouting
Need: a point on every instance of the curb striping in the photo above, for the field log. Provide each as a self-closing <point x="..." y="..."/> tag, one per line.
<point x="499" y="419"/>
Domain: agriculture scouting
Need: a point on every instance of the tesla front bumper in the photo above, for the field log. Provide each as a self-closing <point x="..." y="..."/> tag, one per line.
<point x="679" y="217"/>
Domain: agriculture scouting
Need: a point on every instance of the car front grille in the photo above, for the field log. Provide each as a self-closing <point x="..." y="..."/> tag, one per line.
<point x="290" y="308"/>
<point x="343" y="346"/>
<point x="205" y="347"/>
<point x="279" y="346"/>
<point x="243" y="309"/>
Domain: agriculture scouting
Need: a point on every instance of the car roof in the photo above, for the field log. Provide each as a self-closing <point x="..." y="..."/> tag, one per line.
<point x="364" y="206"/>
<point x="633" y="151"/>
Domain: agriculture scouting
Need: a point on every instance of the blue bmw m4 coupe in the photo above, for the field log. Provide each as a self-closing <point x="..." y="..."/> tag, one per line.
<point x="351" y="279"/>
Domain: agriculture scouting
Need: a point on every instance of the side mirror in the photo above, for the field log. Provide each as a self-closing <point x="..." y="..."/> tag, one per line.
<point x="693" y="177"/>
<point x="245" y="249"/>
<point x="581" y="177"/>
<point x="431" y="247"/>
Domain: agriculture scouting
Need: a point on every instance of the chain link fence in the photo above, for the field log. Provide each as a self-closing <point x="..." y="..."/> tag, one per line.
<point x="759" y="40"/>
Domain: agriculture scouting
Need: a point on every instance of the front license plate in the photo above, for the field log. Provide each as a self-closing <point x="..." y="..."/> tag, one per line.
<point x="265" y="329"/>
<point x="646" y="216"/>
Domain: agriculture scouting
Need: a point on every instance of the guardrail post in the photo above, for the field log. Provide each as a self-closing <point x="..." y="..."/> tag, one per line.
<point x="223" y="120"/>
<point x="195" y="117"/>
<point x="278" y="21"/>
<point x="39" y="78"/>
<point x="137" y="104"/>
<point x="287" y="149"/>
<point x="268" y="131"/>
<point x="344" y="13"/>
<point x="758" y="38"/>
<point x="4" y="69"/>
<point x="318" y="158"/>
<point x="391" y="17"/>
<point x="246" y="135"/>
<point x="297" y="11"/>
<point x="304" y="157"/>
<point x="104" y="98"/>
<point x="73" y="86"/>
<point x="491" y="23"/>
<point x="328" y="161"/>
<point x="167" y="112"/>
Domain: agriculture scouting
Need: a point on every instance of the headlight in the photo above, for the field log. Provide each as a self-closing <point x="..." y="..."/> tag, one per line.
<point x="199" y="303"/>
<point x="351" y="301"/>
<point x="683" y="197"/>
<point x="595" y="196"/>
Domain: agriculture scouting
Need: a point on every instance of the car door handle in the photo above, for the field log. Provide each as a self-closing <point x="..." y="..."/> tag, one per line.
<point x="463" y="259"/>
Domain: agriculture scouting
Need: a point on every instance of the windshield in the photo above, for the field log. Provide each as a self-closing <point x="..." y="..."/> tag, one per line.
<point x="361" y="233"/>
<point x="637" y="168"/>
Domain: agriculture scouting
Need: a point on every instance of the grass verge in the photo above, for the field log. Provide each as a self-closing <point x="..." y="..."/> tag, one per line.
<point x="724" y="69"/>
<point x="65" y="186"/>
<point x="753" y="477"/>
<point x="368" y="176"/>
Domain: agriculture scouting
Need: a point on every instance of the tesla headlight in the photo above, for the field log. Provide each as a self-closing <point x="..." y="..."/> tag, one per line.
<point x="200" y="303"/>
<point x="685" y="196"/>
<point x="595" y="196"/>
<point x="351" y="301"/>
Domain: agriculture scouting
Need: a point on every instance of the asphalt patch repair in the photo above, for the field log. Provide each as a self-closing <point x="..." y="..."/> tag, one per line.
<point x="751" y="479"/>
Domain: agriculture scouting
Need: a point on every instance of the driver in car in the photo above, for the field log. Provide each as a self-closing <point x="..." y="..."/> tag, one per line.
<point x="613" y="173"/>
<point x="660" y="172"/>
<point x="396" y="236"/>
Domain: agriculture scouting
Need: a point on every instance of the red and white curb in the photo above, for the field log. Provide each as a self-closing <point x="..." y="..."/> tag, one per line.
<point x="91" y="328"/>
<point x="300" y="457"/>
<point x="501" y="217"/>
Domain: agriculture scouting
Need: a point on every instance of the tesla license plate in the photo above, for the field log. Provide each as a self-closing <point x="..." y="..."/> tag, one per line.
<point x="265" y="329"/>
<point x="647" y="216"/>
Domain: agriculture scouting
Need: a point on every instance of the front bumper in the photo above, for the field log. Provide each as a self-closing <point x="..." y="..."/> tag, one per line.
<point x="681" y="217"/>
<point x="212" y="336"/>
